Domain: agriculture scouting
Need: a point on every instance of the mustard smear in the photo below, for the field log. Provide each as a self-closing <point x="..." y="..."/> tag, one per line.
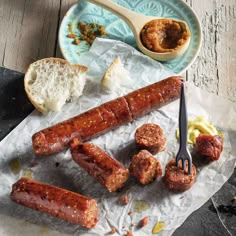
<point x="141" y="205"/>
<point x="197" y="126"/>
<point x="15" y="166"/>
<point x="159" y="226"/>
<point x="28" y="173"/>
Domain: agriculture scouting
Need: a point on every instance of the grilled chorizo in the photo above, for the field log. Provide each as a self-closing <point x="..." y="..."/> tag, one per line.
<point x="150" y="137"/>
<point x="107" y="116"/>
<point x="58" y="202"/>
<point x="176" y="179"/>
<point x="99" y="164"/>
<point x="209" y="146"/>
<point x="144" y="167"/>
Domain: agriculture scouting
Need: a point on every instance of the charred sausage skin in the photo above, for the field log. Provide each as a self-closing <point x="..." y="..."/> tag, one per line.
<point x="178" y="180"/>
<point x="107" y="116"/>
<point x="209" y="146"/>
<point x="58" y="202"/>
<point x="99" y="164"/>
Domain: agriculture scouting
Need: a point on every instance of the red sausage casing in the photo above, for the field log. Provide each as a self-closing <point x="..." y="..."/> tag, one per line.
<point x="154" y="96"/>
<point x="108" y="171"/>
<point x="58" y="202"/>
<point x="85" y="126"/>
<point x="107" y="116"/>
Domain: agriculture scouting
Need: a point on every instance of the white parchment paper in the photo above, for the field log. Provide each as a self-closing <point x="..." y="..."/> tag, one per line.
<point x="60" y="170"/>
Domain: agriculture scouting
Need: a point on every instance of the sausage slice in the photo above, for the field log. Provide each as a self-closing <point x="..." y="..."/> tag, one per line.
<point x="178" y="180"/>
<point x="151" y="138"/>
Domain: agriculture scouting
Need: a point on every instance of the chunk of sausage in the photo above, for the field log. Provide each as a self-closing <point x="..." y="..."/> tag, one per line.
<point x="176" y="179"/>
<point x="209" y="146"/>
<point x="144" y="167"/>
<point x="99" y="164"/>
<point x="151" y="138"/>
<point x="58" y="202"/>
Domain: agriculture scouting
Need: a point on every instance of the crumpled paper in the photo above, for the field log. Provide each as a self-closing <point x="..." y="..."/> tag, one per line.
<point x="153" y="200"/>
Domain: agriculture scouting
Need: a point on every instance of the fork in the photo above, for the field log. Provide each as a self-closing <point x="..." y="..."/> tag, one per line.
<point x="183" y="153"/>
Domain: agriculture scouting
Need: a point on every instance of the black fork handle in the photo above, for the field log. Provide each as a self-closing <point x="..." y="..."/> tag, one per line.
<point x="183" y="120"/>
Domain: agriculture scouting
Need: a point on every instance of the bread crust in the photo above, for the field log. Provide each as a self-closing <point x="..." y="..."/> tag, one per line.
<point x="109" y="70"/>
<point x="39" y="107"/>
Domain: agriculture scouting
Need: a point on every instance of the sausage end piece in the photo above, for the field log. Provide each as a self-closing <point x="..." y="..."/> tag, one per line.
<point x="99" y="164"/>
<point x="209" y="146"/>
<point x="57" y="202"/>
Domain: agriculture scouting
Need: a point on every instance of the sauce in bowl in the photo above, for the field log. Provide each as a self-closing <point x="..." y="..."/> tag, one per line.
<point x="164" y="35"/>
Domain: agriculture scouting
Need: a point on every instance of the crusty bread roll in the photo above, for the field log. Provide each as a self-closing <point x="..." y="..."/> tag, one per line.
<point x="116" y="75"/>
<point x="51" y="82"/>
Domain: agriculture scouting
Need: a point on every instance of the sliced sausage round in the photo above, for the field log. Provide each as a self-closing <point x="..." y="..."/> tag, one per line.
<point x="176" y="179"/>
<point x="151" y="138"/>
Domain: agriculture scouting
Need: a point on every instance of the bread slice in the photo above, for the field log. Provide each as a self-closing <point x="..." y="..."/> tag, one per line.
<point x="51" y="82"/>
<point x="116" y="75"/>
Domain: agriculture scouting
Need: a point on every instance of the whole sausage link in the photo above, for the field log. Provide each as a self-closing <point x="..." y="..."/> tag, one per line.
<point x="107" y="116"/>
<point x="58" y="202"/>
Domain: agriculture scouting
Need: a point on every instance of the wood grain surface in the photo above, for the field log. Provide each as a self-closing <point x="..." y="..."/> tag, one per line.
<point x="29" y="32"/>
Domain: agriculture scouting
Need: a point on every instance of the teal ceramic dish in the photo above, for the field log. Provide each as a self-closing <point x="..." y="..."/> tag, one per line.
<point x="118" y="29"/>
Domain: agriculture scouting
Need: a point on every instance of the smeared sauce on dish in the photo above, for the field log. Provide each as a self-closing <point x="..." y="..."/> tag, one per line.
<point x="158" y="227"/>
<point x="163" y="35"/>
<point x="141" y="205"/>
<point x="28" y="173"/>
<point x="197" y="126"/>
<point x="44" y="230"/>
<point x="15" y="166"/>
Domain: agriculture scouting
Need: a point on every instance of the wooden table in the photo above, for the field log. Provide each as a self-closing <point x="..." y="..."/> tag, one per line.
<point x="29" y="32"/>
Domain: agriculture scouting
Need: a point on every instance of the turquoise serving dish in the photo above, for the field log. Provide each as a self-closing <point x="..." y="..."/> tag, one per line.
<point x="117" y="29"/>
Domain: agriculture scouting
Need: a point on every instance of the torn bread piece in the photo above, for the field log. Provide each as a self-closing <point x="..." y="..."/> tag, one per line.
<point x="51" y="82"/>
<point x="116" y="76"/>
